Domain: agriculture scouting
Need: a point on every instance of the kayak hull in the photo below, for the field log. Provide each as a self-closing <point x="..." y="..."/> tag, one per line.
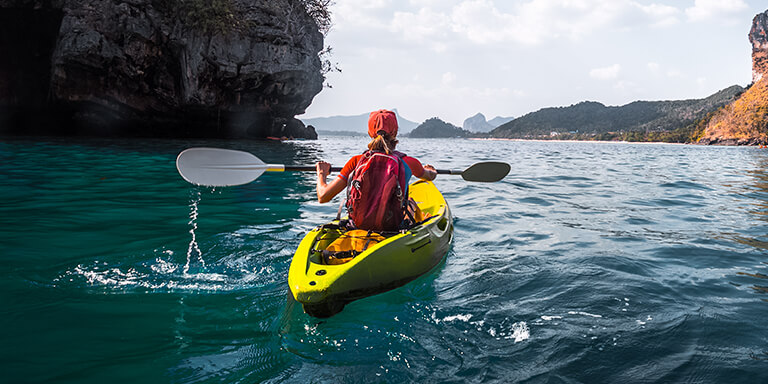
<point x="323" y="290"/>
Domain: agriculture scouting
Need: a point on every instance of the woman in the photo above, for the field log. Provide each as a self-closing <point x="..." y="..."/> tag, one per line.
<point x="382" y="128"/>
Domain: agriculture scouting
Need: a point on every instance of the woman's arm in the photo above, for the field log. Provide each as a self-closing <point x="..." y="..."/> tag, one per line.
<point x="325" y="191"/>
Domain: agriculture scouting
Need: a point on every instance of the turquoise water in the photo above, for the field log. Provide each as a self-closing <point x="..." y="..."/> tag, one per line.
<point x="590" y="262"/>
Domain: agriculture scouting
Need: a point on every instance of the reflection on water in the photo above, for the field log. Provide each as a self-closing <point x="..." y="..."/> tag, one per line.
<point x="757" y="190"/>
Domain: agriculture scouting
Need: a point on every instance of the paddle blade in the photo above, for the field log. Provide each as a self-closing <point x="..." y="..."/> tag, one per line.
<point x="217" y="167"/>
<point x="489" y="172"/>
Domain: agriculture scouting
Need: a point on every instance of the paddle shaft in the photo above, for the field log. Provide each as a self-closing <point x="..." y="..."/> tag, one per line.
<point x="311" y="168"/>
<point x="226" y="167"/>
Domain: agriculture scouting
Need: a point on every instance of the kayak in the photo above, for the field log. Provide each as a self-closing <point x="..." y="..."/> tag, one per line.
<point x="324" y="289"/>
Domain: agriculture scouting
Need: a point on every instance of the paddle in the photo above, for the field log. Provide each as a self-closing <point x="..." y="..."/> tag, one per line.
<point x="217" y="167"/>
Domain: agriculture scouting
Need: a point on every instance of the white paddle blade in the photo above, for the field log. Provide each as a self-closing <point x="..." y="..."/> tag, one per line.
<point x="217" y="167"/>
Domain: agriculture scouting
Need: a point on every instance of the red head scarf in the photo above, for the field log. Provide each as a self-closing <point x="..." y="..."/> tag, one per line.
<point x="382" y="120"/>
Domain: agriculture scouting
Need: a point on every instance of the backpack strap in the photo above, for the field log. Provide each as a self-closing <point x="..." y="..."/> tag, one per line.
<point x="349" y="185"/>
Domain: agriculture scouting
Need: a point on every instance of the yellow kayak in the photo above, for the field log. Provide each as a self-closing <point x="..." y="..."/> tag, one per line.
<point x="324" y="288"/>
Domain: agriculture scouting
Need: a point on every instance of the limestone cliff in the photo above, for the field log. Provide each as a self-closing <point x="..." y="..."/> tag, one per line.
<point x="477" y="123"/>
<point x="745" y="121"/>
<point x="758" y="37"/>
<point x="163" y="68"/>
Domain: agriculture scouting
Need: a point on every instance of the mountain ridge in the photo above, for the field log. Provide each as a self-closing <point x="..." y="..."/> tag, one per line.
<point x="353" y="123"/>
<point x="594" y="118"/>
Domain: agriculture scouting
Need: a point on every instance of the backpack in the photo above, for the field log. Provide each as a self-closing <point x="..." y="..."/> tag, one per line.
<point x="377" y="191"/>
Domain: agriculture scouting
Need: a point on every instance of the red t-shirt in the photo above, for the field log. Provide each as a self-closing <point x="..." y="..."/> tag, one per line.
<point x="415" y="165"/>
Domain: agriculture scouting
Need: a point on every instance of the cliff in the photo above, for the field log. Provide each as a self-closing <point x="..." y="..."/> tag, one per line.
<point x="477" y="123"/>
<point x="160" y="68"/>
<point x="745" y="121"/>
<point x="758" y="37"/>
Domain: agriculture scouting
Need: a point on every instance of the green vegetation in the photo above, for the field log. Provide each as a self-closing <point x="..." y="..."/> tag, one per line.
<point x="224" y="16"/>
<point x="436" y="128"/>
<point x="667" y="121"/>
<point x="208" y="16"/>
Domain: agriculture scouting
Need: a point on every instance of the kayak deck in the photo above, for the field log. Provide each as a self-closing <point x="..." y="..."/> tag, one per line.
<point x="324" y="289"/>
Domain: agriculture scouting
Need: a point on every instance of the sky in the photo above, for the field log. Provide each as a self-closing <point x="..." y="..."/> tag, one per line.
<point x="454" y="58"/>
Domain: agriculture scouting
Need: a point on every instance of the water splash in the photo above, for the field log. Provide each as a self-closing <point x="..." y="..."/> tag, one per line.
<point x="194" y="248"/>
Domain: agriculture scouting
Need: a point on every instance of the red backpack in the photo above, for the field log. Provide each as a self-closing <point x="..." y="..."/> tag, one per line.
<point x="377" y="192"/>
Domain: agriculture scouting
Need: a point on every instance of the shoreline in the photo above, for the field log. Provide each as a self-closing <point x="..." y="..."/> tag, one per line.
<point x="585" y="141"/>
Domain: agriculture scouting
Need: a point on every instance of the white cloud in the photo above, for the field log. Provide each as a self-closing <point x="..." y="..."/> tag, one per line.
<point x="361" y="13"/>
<point x="711" y="9"/>
<point x="449" y="78"/>
<point x="661" y="15"/>
<point x="531" y="22"/>
<point x="425" y="26"/>
<point x="653" y="67"/>
<point x="606" y="73"/>
<point x="674" y="73"/>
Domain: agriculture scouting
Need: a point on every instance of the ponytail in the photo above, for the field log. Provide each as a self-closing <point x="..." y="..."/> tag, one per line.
<point x="382" y="143"/>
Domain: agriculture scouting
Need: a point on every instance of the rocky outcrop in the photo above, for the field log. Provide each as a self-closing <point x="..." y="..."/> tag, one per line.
<point x="477" y="123"/>
<point x="742" y="122"/>
<point x="162" y="68"/>
<point x="758" y="36"/>
<point x="745" y="121"/>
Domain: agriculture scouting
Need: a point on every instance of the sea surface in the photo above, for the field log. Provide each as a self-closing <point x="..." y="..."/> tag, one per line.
<point x="589" y="263"/>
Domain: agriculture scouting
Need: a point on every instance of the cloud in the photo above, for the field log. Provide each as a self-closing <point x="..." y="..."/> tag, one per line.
<point x="704" y="10"/>
<point x="530" y="22"/>
<point x="606" y="73"/>
<point x="365" y="13"/>
<point x="449" y="78"/>
<point x="423" y="26"/>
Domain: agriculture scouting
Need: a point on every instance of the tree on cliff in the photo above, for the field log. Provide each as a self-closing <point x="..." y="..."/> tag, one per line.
<point x="319" y="10"/>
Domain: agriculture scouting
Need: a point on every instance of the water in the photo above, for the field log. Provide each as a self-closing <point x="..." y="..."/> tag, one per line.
<point x="590" y="262"/>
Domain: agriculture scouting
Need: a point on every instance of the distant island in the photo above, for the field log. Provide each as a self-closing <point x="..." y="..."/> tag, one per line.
<point x="436" y="128"/>
<point x="671" y="121"/>
<point x="478" y="123"/>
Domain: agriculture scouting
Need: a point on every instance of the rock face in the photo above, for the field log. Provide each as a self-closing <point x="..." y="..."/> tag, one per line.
<point x="758" y="36"/>
<point x="745" y="121"/>
<point x="161" y="68"/>
<point x="477" y="123"/>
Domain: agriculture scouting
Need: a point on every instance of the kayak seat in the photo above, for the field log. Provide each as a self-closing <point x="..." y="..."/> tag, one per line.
<point x="348" y="245"/>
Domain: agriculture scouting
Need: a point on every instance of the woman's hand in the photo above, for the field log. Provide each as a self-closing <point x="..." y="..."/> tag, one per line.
<point x="325" y="191"/>
<point x="430" y="173"/>
<point x="323" y="169"/>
